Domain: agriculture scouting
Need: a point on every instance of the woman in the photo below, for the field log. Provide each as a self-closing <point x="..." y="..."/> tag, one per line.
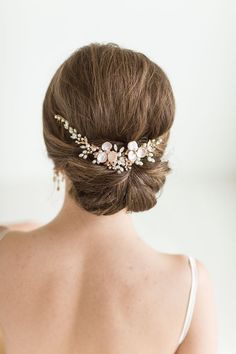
<point x="86" y="282"/>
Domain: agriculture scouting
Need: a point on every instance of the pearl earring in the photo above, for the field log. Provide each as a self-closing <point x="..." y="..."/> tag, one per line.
<point x="58" y="177"/>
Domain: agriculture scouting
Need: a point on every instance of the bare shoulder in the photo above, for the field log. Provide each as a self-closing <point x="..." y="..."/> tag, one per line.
<point x="175" y="275"/>
<point x="12" y="235"/>
<point x="176" y="265"/>
<point x="13" y="247"/>
<point x="180" y="266"/>
<point x="16" y="259"/>
<point x="202" y="336"/>
<point x="204" y="275"/>
<point x="3" y="228"/>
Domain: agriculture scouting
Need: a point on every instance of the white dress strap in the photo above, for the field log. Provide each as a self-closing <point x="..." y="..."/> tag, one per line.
<point x="3" y="233"/>
<point x="191" y="300"/>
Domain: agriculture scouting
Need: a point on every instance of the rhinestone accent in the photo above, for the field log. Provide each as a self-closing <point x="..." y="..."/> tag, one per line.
<point x="115" y="158"/>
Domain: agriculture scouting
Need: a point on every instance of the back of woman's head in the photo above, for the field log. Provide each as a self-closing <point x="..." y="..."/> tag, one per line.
<point x="109" y="93"/>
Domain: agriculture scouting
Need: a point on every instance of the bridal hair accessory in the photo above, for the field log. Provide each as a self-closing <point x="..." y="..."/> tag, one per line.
<point x="108" y="154"/>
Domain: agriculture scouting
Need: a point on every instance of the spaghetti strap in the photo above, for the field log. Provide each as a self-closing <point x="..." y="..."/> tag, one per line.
<point x="191" y="300"/>
<point x="3" y="233"/>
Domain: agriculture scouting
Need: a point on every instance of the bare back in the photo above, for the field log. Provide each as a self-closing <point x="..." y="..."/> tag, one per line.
<point x="90" y="297"/>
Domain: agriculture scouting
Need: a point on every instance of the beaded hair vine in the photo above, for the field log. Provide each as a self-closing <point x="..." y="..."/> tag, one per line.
<point x="108" y="154"/>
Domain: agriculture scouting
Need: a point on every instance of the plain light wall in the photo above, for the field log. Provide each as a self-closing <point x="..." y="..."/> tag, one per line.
<point x="194" y="42"/>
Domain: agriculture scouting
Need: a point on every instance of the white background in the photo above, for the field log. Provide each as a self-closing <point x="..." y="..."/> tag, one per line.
<point x="194" y="42"/>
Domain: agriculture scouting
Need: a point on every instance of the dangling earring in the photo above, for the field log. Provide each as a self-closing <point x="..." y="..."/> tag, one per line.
<point x="58" y="177"/>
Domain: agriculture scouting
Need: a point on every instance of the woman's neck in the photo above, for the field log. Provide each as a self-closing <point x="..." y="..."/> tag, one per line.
<point x="75" y="221"/>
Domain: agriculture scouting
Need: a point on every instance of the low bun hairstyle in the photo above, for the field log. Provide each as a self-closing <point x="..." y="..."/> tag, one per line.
<point x="109" y="93"/>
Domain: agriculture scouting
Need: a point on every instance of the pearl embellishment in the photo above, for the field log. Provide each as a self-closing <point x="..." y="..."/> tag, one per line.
<point x="119" y="159"/>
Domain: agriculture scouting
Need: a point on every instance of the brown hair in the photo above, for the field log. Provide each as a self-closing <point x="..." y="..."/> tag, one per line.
<point x="109" y="93"/>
